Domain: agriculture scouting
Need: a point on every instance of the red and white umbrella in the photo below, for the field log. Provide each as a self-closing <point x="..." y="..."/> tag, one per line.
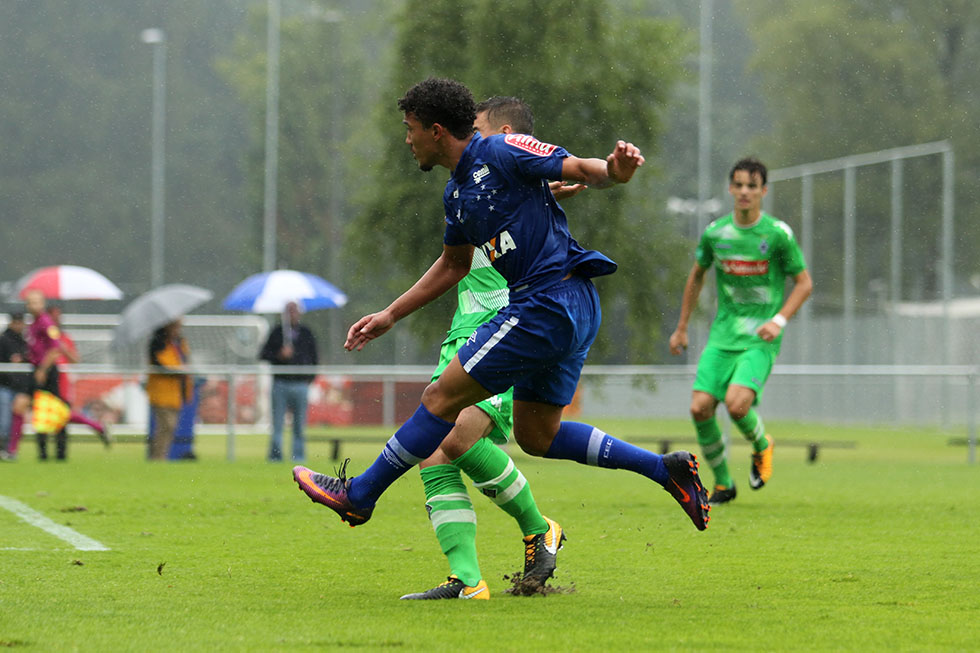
<point x="67" y="282"/>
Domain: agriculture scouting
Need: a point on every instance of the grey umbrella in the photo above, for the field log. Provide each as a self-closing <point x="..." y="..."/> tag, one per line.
<point x="155" y="308"/>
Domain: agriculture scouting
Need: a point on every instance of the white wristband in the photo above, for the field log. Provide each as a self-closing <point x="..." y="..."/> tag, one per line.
<point x="780" y="320"/>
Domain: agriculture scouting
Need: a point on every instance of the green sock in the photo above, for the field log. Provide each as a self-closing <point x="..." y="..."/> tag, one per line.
<point x="493" y="473"/>
<point x="754" y="430"/>
<point x="713" y="448"/>
<point x="453" y="519"/>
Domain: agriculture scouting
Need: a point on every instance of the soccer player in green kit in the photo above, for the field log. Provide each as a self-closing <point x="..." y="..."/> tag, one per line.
<point x="752" y="253"/>
<point x="471" y="445"/>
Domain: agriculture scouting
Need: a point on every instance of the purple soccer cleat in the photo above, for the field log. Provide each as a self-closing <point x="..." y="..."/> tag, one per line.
<point x="331" y="491"/>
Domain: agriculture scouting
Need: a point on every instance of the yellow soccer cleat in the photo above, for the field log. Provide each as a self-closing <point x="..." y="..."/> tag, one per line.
<point x="761" y="470"/>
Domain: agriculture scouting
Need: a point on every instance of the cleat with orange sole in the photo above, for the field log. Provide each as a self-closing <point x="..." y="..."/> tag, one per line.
<point x="684" y="484"/>
<point x="331" y="491"/>
<point x="761" y="470"/>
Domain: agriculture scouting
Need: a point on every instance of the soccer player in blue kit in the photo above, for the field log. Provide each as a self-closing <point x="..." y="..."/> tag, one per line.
<point x="497" y="198"/>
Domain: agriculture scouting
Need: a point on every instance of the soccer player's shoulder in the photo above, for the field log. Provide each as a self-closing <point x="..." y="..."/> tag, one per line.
<point x="778" y="224"/>
<point x="527" y="143"/>
<point x="718" y="223"/>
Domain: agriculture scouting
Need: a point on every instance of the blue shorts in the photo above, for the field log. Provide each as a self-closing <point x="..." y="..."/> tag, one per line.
<point x="538" y="344"/>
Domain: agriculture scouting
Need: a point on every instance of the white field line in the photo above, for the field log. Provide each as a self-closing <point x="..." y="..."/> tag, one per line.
<point x="34" y="518"/>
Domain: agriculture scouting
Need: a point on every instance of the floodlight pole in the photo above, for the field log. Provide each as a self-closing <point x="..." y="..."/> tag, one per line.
<point x="704" y="119"/>
<point x="157" y="38"/>
<point x="271" y="137"/>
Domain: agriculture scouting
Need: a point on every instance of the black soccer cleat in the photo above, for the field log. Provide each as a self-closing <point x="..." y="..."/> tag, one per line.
<point x="721" y="494"/>
<point x="453" y="588"/>
<point x="541" y="556"/>
<point x="684" y="484"/>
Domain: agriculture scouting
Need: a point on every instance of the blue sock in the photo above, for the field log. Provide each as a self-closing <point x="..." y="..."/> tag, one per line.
<point x="411" y="444"/>
<point x="588" y="445"/>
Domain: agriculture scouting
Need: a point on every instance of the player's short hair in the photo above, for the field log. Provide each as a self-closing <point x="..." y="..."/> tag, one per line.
<point x="17" y="316"/>
<point x="443" y="101"/>
<point x="508" y="110"/>
<point x="751" y="165"/>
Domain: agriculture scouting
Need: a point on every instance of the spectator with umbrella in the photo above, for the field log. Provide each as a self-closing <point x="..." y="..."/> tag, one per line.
<point x="168" y="387"/>
<point x="290" y="343"/>
<point x="288" y="292"/>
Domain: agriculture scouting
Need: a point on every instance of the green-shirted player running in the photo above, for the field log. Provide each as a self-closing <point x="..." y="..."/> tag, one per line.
<point x="752" y="254"/>
<point x="471" y="445"/>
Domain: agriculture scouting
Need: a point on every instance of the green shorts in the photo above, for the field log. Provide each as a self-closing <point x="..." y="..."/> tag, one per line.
<point x="720" y="368"/>
<point x="500" y="408"/>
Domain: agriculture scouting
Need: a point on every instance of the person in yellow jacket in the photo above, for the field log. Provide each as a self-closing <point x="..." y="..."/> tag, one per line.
<point x="167" y="387"/>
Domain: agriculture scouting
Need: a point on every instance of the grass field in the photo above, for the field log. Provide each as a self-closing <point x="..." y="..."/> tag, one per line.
<point x="872" y="548"/>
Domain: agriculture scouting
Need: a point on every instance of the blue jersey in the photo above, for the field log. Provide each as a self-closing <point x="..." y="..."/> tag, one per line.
<point x="498" y="199"/>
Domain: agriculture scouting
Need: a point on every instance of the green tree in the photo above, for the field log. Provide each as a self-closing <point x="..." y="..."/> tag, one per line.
<point x="590" y="81"/>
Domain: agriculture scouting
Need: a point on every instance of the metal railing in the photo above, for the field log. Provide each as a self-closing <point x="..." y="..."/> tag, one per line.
<point x="390" y="376"/>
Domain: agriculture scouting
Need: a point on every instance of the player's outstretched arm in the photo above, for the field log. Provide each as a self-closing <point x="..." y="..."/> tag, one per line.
<point x="617" y="168"/>
<point x="692" y="290"/>
<point x="446" y="272"/>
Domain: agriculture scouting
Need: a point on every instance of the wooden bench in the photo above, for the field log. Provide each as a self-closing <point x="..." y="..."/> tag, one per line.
<point x="664" y="443"/>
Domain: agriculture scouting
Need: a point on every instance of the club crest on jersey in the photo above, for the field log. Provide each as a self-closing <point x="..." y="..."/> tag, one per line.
<point x="498" y="246"/>
<point x="481" y="174"/>
<point x="764" y="246"/>
<point x="529" y="144"/>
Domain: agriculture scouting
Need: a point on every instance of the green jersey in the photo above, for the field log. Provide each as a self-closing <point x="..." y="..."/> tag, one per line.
<point x="482" y="293"/>
<point x="751" y="266"/>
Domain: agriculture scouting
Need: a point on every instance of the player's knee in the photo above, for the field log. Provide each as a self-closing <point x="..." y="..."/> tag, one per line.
<point x="737" y="409"/>
<point x="533" y="444"/>
<point x="701" y="411"/>
<point x="739" y="403"/>
<point x="437" y="402"/>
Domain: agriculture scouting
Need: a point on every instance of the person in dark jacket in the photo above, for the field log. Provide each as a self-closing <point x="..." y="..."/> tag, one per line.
<point x="290" y="343"/>
<point x="15" y="387"/>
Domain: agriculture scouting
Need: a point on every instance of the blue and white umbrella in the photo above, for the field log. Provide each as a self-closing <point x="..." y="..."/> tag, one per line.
<point x="269" y="292"/>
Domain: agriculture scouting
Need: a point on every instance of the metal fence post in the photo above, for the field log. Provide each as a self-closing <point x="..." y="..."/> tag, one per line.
<point x="232" y="406"/>
<point x="388" y="402"/>
<point x="971" y="417"/>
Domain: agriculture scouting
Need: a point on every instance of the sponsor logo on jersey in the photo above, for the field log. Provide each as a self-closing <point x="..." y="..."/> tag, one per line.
<point x="529" y="144"/>
<point x="498" y="246"/>
<point x="741" y="268"/>
<point x="480" y="174"/>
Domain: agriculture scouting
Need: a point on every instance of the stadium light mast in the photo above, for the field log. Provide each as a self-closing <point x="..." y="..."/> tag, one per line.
<point x="271" y="136"/>
<point x="704" y="126"/>
<point x="158" y="40"/>
<point x="704" y="113"/>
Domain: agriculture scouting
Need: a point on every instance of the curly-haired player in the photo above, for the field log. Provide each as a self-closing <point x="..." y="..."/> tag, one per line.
<point x="498" y="200"/>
